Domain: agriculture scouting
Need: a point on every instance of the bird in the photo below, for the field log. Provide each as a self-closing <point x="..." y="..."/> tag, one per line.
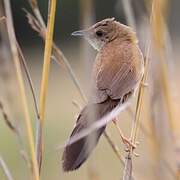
<point x="116" y="75"/>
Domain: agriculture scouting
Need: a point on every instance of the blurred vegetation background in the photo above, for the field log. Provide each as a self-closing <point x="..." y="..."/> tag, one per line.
<point x="69" y="11"/>
<point x="60" y="111"/>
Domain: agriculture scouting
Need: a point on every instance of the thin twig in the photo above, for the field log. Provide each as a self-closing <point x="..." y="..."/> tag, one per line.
<point x="14" y="51"/>
<point x="5" y="169"/>
<point x="114" y="147"/>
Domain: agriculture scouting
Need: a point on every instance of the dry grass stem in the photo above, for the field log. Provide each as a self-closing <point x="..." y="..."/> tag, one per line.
<point x="141" y="91"/>
<point x="131" y="22"/>
<point x="158" y="31"/>
<point x="38" y="127"/>
<point x="129" y="13"/>
<point x="127" y="174"/>
<point x="139" y="103"/>
<point x="45" y="75"/>
<point x="5" y="169"/>
<point x="114" y="147"/>
<point x="14" y="51"/>
<point x="27" y="72"/>
<point x="47" y="59"/>
<point x="27" y="161"/>
<point x="146" y="132"/>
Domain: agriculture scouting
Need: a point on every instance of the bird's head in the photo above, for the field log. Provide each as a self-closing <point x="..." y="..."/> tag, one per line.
<point x="105" y="31"/>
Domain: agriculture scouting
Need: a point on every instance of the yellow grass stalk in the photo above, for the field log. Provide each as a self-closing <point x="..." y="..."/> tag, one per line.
<point x="140" y="102"/>
<point x="15" y="56"/>
<point x="45" y="75"/>
<point x="47" y="59"/>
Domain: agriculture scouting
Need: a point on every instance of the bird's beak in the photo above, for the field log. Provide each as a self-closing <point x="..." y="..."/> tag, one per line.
<point x="79" y="33"/>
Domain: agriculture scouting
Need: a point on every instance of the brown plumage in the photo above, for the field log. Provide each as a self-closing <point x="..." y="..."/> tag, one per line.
<point x="117" y="71"/>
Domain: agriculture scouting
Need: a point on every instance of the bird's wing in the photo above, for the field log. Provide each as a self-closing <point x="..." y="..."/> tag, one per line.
<point x="117" y="74"/>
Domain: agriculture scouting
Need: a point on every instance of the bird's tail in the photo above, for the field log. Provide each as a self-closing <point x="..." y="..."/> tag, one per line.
<point x="75" y="154"/>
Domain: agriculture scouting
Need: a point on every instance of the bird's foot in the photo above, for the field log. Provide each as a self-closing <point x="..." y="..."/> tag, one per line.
<point x="130" y="146"/>
<point x="128" y="143"/>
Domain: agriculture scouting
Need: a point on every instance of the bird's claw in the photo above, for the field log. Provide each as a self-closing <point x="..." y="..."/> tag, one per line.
<point x="130" y="146"/>
<point x="128" y="143"/>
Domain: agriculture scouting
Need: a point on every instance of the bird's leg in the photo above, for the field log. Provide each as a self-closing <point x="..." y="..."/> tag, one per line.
<point x="125" y="140"/>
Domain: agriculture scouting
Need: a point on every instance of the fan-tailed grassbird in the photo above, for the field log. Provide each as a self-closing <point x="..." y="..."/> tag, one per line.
<point x="117" y="72"/>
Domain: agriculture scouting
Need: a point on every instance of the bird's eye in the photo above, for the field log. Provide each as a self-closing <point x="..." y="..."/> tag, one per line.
<point x="99" y="33"/>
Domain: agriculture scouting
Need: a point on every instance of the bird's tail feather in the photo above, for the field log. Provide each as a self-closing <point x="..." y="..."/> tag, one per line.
<point x="75" y="154"/>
